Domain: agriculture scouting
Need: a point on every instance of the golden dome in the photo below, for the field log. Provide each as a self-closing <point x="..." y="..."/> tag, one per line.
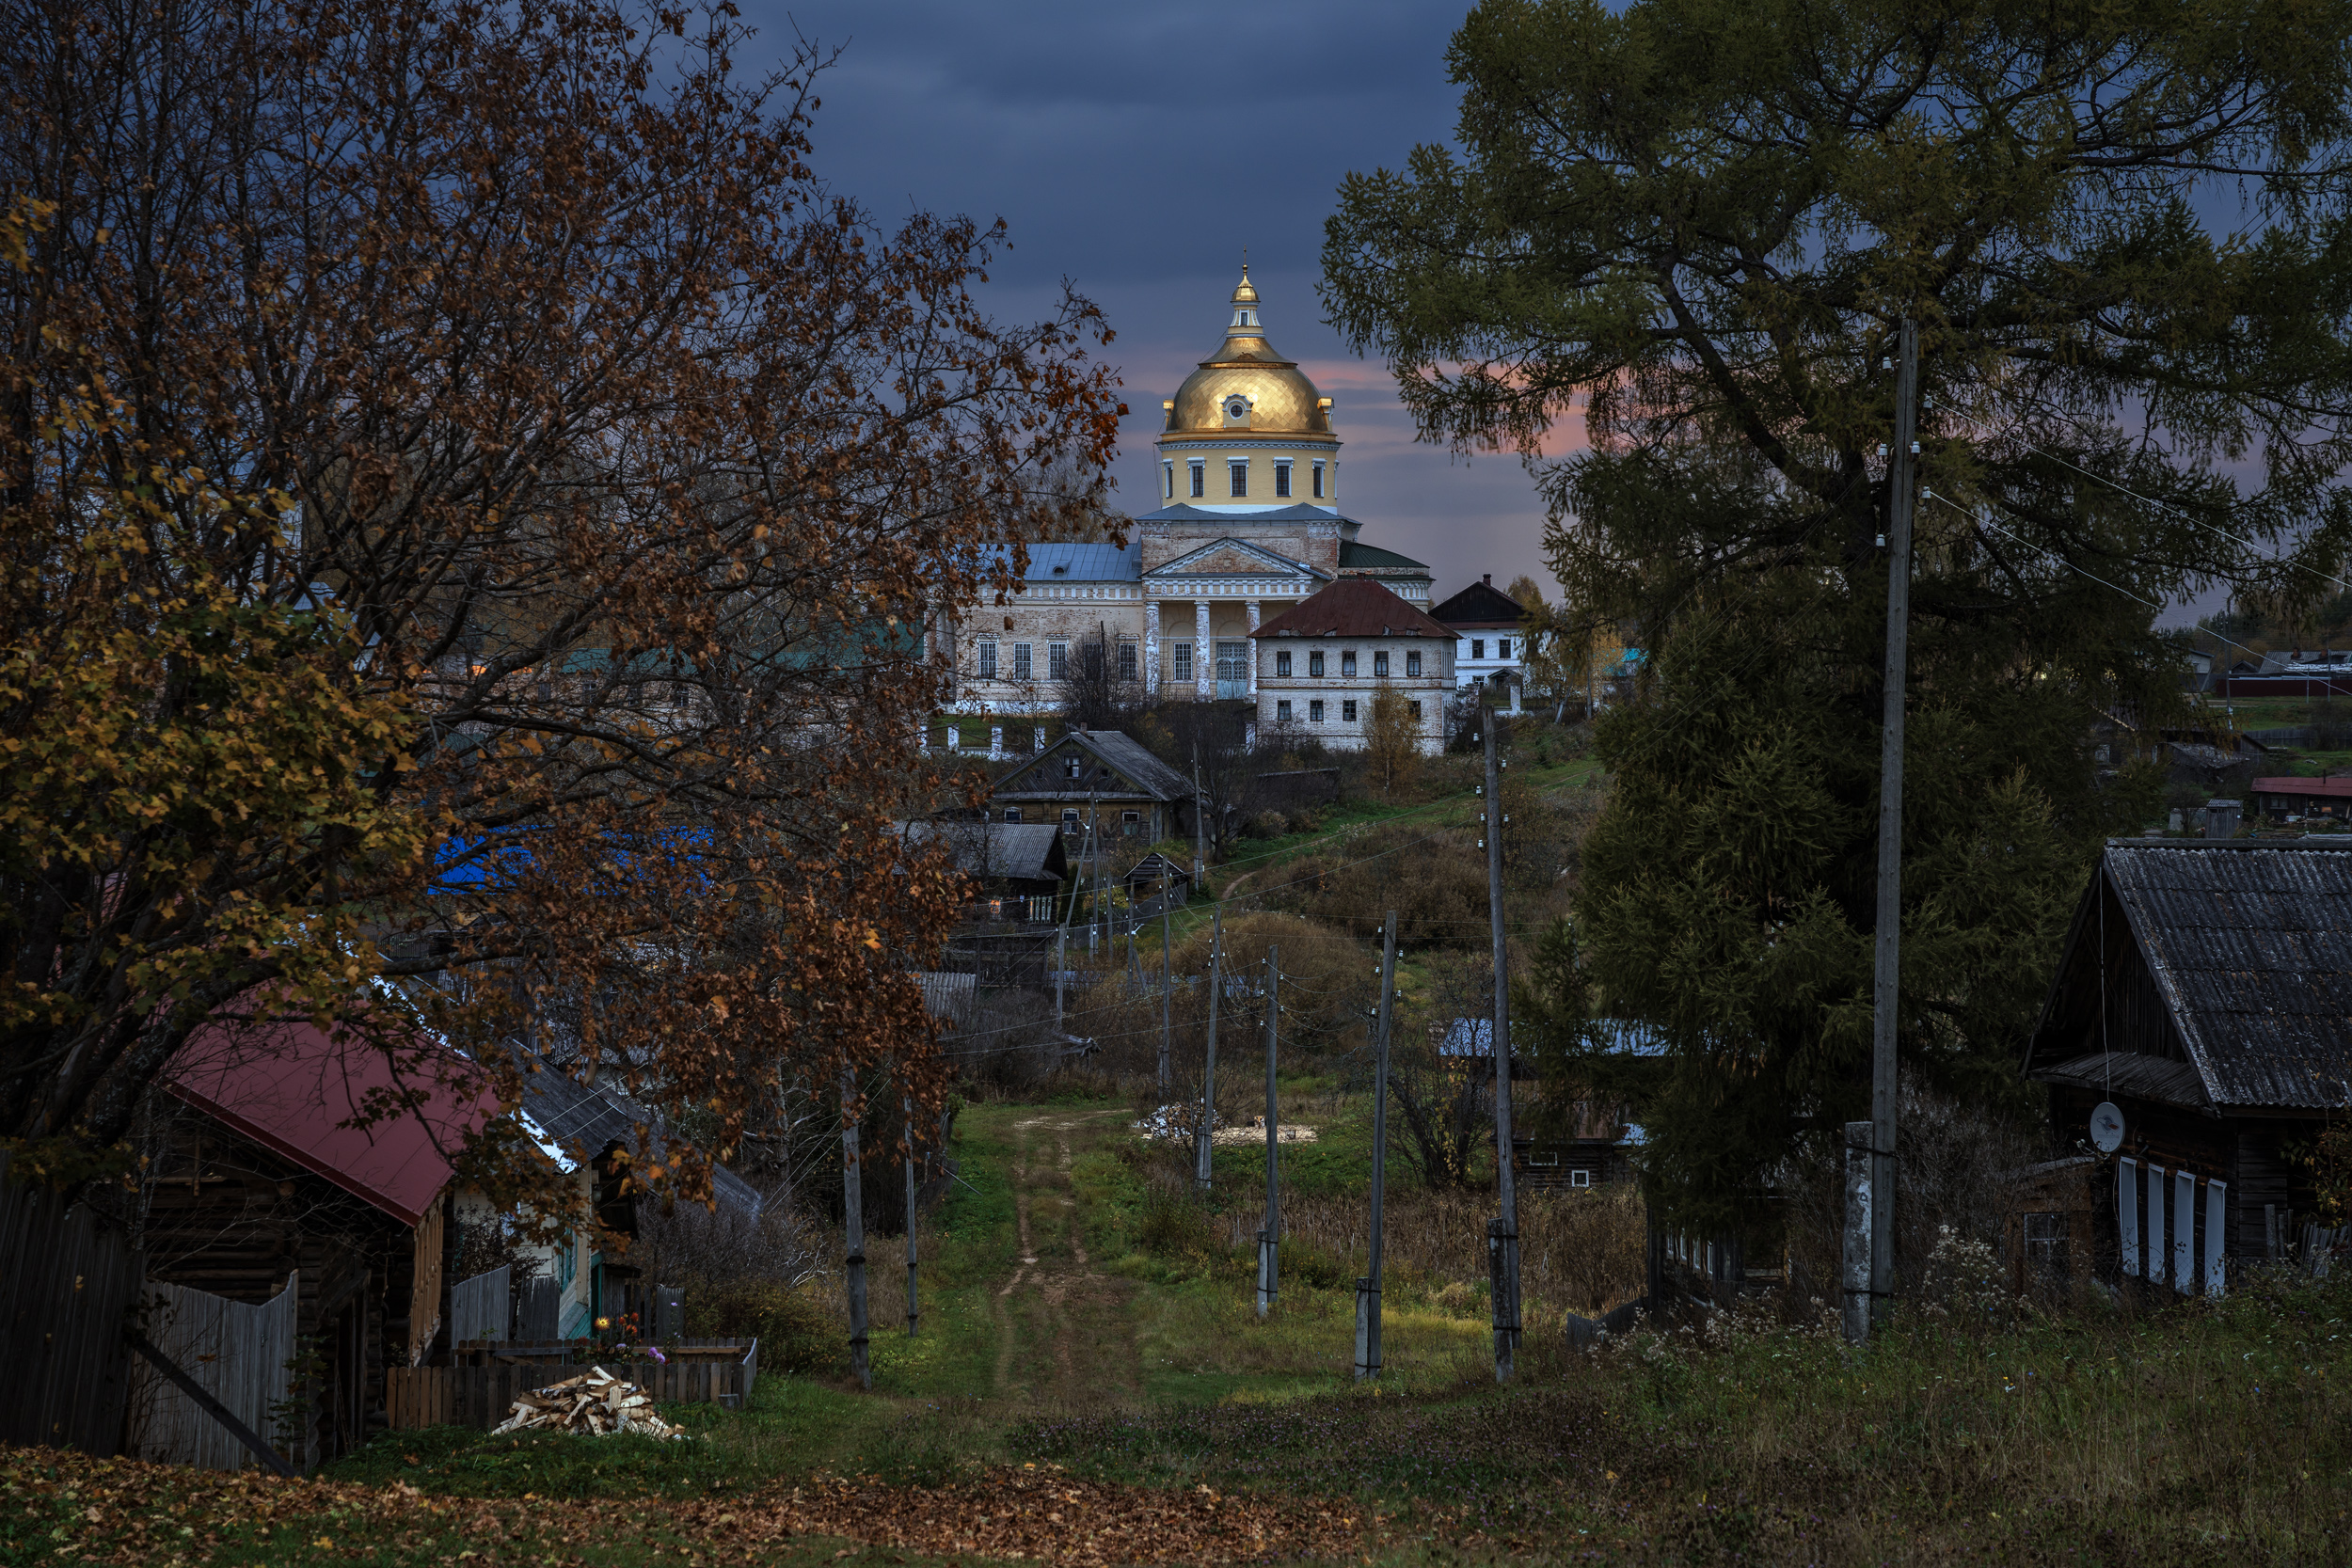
<point x="1274" y="395"/>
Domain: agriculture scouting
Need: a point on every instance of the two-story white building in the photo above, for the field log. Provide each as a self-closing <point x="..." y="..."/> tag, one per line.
<point x="1321" y="663"/>
<point x="1489" y="637"/>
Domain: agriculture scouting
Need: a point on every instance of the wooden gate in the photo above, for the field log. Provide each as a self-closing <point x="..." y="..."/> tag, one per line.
<point x="235" y="1350"/>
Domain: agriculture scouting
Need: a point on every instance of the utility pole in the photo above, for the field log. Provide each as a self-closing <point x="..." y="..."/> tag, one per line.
<point x="1502" y="1232"/>
<point x="1878" y="1204"/>
<point x="1368" y="1288"/>
<point x="1203" y="1145"/>
<point x="1200" y="823"/>
<point x="906" y="1113"/>
<point x="1270" y="1239"/>
<point x="854" y="1224"/>
<point x="1168" y="984"/>
<point x="1093" y="875"/>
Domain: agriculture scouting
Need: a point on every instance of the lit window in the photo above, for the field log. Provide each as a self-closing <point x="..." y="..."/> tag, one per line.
<point x="1282" y="665"/>
<point x="1057" y="661"/>
<point x="1412" y="663"/>
<point x="1126" y="660"/>
<point x="1200" y="480"/>
<point x="1281" y="478"/>
<point x="1019" y="662"/>
<point x="1183" y="661"/>
<point x="1238" y="475"/>
<point x="1380" y="665"/>
<point x="1347" y="663"/>
<point x="1318" y="481"/>
<point x="1315" y="664"/>
<point x="1314" y="711"/>
<point x="1478" y="647"/>
<point x="1348" y="712"/>
<point x="1502" y="647"/>
<point x="1281" y="713"/>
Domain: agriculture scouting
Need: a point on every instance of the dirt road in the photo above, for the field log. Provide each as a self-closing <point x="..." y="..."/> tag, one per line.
<point x="1064" y="1338"/>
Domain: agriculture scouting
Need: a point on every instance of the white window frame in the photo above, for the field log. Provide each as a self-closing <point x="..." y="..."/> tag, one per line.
<point x="1318" y="481"/>
<point x="1057" y="661"/>
<point x="1129" y="663"/>
<point x="1236" y="480"/>
<point x="984" y="662"/>
<point x="1022" y="661"/>
<point x="1199" y="477"/>
<point x="1180" y="661"/>
<point x="1281" y="476"/>
<point x="1169" y="469"/>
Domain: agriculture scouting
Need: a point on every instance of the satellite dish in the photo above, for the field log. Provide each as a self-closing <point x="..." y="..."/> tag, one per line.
<point x="2106" y="1127"/>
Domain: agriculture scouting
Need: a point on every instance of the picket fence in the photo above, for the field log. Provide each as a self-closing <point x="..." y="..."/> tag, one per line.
<point x="235" y="1351"/>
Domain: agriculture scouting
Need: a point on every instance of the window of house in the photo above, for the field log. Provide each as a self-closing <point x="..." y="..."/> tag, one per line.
<point x="1347" y="663"/>
<point x="1347" y="711"/>
<point x="567" y="1262"/>
<point x="1199" y="479"/>
<point x="1416" y="707"/>
<point x="1281" y="478"/>
<point x="988" y="659"/>
<point x="1057" y="661"/>
<point x="1314" y="711"/>
<point x="1019" y="662"/>
<point x="1283" y="662"/>
<point x="1314" y="663"/>
<point x="1380" y="664"/>
<point x="1012" y="814"/>
<point x="1070" y="823"/>
<point x="1168" y="471"/>
<point x="1502" y="647"/>
<point x="1412" y="663"/>
<point x="1070" y="765"/>
<point x="1478" y="647"/>
<point x="1282" y="713"/>
<point x="1129" y="821"/>
<point x="1126" y="659"/>
<point x="1238" y="475"/>
<point x="1318" y="481"/>
<point x="1578" y="1177"/>
<point x="1181" y="660"/>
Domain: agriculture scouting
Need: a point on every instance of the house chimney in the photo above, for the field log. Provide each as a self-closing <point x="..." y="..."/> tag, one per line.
<point x="1487" y="577"/>
<point x="2221" y="818"/>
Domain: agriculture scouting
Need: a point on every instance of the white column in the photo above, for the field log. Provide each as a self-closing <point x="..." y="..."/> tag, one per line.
<point x="995" y="742"/>
<point x="1253" y="650"/>
<point x="1203" y="653"/>
<point x="1150" y="650"/>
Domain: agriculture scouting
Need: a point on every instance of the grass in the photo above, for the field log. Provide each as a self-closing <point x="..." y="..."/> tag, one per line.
<point x="2156" y="1433"/>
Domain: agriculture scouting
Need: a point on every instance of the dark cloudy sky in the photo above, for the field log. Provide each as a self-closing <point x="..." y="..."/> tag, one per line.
<point x="1136" y="148"/>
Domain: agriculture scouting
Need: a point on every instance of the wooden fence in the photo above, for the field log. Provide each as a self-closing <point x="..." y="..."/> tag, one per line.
<point x="235" y="1350"/>
<point x="67" y="1280"/>
<point x="482" y="1393"/>
<point x="479" y="1308"/>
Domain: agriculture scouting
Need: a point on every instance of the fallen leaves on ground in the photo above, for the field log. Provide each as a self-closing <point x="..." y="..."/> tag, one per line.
<point x="125" y="1511"/>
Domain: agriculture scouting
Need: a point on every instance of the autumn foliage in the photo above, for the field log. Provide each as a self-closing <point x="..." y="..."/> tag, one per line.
<point x="473" y="498"/>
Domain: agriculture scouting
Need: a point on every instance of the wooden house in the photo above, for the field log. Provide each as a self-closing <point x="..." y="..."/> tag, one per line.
<point x="1015" y="869"/>
<point x="257" y="1181"/>
<point x="1103" y="777"/>
<point x="2201" y="992"/>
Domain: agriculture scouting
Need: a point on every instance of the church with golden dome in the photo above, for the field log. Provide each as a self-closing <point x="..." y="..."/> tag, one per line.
<point x="1248" y="524"/>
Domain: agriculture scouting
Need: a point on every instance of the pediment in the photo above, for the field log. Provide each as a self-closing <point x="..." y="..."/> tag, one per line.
<point x="1230" y="557"/>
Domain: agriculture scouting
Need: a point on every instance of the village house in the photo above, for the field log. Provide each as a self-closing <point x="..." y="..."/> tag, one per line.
<point x="1490" y="638"/>
<point x="1320" y="663"/>
<point x="1015" y="869"/>
<point x="1103" y="780"/>
<point x="2196" y="1032"/>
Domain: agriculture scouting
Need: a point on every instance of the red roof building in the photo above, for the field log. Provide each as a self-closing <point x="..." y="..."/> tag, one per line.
<point x="1321" y="663"/>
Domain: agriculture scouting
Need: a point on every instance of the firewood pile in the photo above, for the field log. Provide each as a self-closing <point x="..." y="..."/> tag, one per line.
<point x="592" y="1404"/>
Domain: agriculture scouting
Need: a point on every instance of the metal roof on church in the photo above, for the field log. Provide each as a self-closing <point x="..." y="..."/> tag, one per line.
<point x="1076" y="562"/>
<point x="1180" y="512"/>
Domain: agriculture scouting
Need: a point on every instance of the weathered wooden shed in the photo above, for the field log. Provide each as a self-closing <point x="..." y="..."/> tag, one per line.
<point x="2205" y="991"/>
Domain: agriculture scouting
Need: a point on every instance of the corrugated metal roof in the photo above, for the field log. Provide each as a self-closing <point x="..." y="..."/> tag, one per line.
<point x="1030" y="851"/>
<point x="1121" y="755"/>
<point x="2251" y="947"/>
<point x="1371" y="558"/>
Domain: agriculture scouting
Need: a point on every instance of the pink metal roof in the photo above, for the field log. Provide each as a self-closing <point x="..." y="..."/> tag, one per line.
<point x="2340" y="786"/>
<point x="288" y="1086"/>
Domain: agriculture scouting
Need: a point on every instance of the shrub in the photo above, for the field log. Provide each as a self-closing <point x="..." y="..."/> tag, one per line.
<point x="796" y="1331"/>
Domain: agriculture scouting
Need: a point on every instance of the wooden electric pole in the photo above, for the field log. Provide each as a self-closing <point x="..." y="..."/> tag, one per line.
<point x="1368" y="1288"/>
<point x="854" y="1224"/>
<point x="906" y="1113"/>
<point x="1203" y="1145"/>
<point x="1270" y="1239"/>
<point x="1502" y="1232"/>
<point x="1878" y="1203"/>
<point x="1168" y="984"/>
